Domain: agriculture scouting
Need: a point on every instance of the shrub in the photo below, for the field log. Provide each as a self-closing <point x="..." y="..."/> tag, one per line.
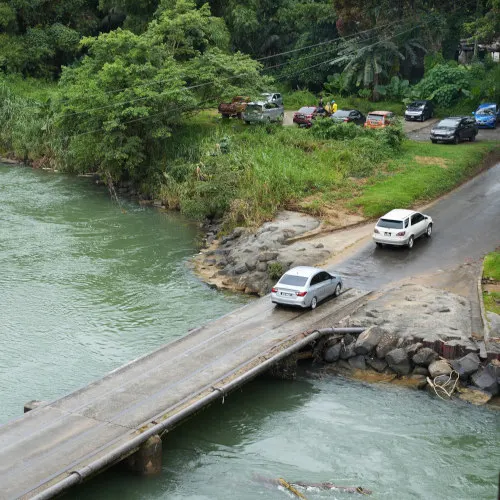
<point x="327" y="129"/>
<point x="275" y="270"/>
<point x="444" y="84"/>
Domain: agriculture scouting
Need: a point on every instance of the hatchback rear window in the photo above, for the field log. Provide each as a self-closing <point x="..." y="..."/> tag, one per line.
<point x="254" y="107"/>
<point x="393" y="224"/>
<point x="375" y="118"/>
<point x="290" y="279"/>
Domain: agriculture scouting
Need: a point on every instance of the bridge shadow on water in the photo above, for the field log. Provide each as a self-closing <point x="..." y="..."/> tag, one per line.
<point x="219" y="432"/>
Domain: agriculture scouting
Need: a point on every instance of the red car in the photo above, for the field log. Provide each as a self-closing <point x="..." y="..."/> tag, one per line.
<point x="305" y="115"/>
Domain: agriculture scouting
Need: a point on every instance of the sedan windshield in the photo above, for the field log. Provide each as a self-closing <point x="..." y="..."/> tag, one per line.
<point x="485" y="111"/>
<point x="306" y="110"/>
<point x="389" y="223"/>
<point x="293" y="280"/>
<point x="448" y="123"/>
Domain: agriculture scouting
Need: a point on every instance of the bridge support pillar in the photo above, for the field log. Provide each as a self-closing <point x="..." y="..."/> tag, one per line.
<point x="31" y="405"/>
<point x="147" y="460"/>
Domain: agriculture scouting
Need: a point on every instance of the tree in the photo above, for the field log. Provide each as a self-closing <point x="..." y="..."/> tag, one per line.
<point x="122" y="103"/>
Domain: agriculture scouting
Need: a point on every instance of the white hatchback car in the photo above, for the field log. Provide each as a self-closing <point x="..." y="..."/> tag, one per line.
<point x="402" y="227"/>
<point x="305" y="286"/>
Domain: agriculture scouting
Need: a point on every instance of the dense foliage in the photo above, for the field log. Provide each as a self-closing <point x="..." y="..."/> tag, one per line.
<point x="108" y="86"/>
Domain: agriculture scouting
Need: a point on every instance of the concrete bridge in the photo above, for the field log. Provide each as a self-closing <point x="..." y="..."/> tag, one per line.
<point x="122" y="416"/>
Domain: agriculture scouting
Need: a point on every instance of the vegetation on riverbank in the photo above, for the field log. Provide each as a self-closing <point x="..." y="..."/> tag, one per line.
<point x="491" y="267"/>
<point x="491" y="277"/>
<point x="118" y="88"/>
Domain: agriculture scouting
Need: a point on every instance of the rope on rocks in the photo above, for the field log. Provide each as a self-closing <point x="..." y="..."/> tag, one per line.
<point x="447" y="387"/>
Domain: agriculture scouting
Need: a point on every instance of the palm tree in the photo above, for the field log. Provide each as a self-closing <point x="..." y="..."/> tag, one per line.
<point x="366" y="64"/>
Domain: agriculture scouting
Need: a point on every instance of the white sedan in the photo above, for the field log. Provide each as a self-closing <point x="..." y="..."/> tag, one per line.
<point x="402" y="227"/>
<point x="305" y="286"/>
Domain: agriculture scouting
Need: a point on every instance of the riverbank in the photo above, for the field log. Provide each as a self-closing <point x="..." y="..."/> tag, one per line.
<point x="250" y="261"/>
<point x="430" y="347"/>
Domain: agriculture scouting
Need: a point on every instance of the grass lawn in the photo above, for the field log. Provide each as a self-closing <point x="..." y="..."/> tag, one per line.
<point x="491" y="269"/>
<point x="491" y="272"/>
<point x="262" y="169"/>
<point x="492" y="301"/>
<point x="422" y="172"/>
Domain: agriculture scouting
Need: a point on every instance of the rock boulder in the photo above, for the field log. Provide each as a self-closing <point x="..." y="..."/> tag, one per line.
<point x="398" y="360"/>
<point x="425" y="356"/>
<point x="466" y="365"/>
<point x="368" y="340"/>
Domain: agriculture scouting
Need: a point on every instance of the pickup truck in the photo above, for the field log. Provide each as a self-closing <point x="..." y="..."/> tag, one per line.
<point x="234" y="108"/>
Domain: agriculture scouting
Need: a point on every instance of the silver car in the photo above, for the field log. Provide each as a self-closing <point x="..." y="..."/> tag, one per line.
<point x="263" y="112"/>
<point x="305" y="286"/>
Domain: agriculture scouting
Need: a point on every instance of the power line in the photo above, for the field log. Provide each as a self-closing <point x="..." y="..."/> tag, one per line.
<point x="191" y="87"/>
<point x="266" y="57"/>
<point x="181" y="108"/>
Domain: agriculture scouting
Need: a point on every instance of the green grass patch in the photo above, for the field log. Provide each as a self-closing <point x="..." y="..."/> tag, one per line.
<point x="421" y="173"/>
<point x="492" y="301"/>
<point x="491" y="269"/>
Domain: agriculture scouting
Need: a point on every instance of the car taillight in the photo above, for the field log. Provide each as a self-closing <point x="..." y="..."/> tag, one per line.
<point x="376" y="231"/>
<point x="346" y="119"/>
<point x="301" y="294"/>
<point x="401" y="233"/>
<point x="274" y="290"/>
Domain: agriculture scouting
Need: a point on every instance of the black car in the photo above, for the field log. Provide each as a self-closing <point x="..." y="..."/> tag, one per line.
<point x="419" y="110"/>
<point x="455" y="129"/>
<point x="348" y="116"/>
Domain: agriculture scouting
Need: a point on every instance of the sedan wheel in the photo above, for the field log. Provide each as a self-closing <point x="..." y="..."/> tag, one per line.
<point x="338" y="288"/>
<point x="472" y="137"/>
<point x="428" y="233"/>
<point x="456" y="140"/>
<point x="410" y="242"/>
<point x="314" y="303"/>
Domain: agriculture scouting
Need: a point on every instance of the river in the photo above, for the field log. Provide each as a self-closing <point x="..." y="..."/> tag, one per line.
<point x="87" y="285"/>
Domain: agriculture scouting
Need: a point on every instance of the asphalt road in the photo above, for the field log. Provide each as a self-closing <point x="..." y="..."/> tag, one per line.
<point x="466" y="226"/>
<point x="423" y="132"/>
<point x="420" y="131"/>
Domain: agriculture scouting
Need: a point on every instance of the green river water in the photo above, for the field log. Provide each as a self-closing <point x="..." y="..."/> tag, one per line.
<point x="86" y="286"/>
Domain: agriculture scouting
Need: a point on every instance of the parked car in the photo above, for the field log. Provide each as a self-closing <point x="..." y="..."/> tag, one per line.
<point x="379" y="119"/>
<point x="402" y="227"/>
<point x="305" y="286"/>
<point x="263" y="112"/>
<point x="487" y="115"/>
<point x="348" y="116"/>
<point x="305" y="116"/>
<point x="455" y="129"/>
<point x="234" y="108"/>
<point x="275" y="97"/>
<point x="419" y="110"/>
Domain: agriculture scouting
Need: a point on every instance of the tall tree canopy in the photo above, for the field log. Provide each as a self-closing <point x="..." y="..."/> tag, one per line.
<point x="125" y="98"/>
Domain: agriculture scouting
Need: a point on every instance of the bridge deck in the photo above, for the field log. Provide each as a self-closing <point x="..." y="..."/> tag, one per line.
<point x="43" y="447"/>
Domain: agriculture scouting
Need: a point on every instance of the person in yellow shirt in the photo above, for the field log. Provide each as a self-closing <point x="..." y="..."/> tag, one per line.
<point x="331" y="107"/>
